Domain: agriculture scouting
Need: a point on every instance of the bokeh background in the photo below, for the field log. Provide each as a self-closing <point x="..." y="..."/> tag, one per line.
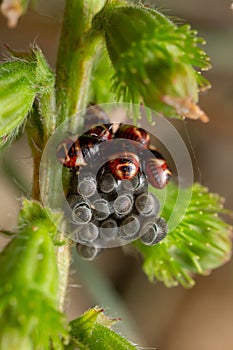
<point x="153" y="316"/>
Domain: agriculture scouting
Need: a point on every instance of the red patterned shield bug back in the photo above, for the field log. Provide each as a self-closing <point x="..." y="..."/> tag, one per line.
<point x="124" y="166"/>
<point x="69" y="154"/>
<point x="133" y="133"/>
<point x="157" y="170"/>
<point x="90" y="149"/>
<point x="100" y="132"/>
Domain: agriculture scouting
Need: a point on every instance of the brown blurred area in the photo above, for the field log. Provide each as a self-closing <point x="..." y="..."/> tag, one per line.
<point x="166" y="319"/>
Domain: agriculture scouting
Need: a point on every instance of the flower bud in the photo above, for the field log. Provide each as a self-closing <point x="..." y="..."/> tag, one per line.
<point x="22" y="78"/>
<point x="29" y="316"/>
<point x="17" y="94"/>
<point x="154" y="60"/>
<point x="174" y="90"/>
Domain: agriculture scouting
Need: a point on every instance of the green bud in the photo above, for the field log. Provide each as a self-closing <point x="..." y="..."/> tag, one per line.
<point x="29" y="316"/>
<point x="24" y="77"/>
<point x="17" y="93"/>
<point x="154" y="59"/>
<point x="93" y="331"/>
<point x="175" y="92"/>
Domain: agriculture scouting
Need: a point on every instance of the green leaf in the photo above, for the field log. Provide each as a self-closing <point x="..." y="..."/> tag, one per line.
<point x="24" y="77"/>
<point x="201" y="242"/>
<point x="155" y="61"/>
<point x="29" y="316"/>
<point x="92" y="331"/>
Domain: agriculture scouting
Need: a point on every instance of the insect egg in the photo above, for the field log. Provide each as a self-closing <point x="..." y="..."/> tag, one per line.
<point x="87" y="186"/>
<point x="147" y="204"/>
<point x="108" y="229"/>
<point x="101" y="209"/>
<point x="154" y="231"/>
<point x="86" y="233"/>
<point x="130" y="227"/>
<point x="107" y="183"/>
<point x="123" y="205"/>
<point x="88" y="252"/>
<point x="81" y="211"/>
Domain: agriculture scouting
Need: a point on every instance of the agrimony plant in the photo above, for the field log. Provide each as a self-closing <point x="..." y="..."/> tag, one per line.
<point x="147" y="59"/>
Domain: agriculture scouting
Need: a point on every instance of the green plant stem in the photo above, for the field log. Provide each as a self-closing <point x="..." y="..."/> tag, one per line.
<point x="35" y="141"/>
<point x="76" y="54"/>
<point x="63" y="257"/>
<point x="40" y="127"/>
<point x="48" y="111"/>
<point x="36" y="166"/>
<point x="77" y="48"/>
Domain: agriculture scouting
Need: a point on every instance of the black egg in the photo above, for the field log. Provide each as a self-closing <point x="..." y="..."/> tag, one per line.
<point x="154" y="231"/>
<point x="108" y="229"/>
<point x="130" y="227"/>
<point x="88" y="252"/>
<point x="86" y="233"/>
<point x="147" y="204"/>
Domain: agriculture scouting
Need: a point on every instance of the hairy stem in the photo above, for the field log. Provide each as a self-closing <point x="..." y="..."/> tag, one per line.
<point x="39" y="133"/>
<point x="77" y="48"/>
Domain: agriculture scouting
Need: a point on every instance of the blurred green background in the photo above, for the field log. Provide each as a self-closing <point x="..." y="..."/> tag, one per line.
<point x="153" y="316"/>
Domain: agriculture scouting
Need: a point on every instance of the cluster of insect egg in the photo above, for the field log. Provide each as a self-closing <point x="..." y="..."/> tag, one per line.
<point x="113" y="202"/>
